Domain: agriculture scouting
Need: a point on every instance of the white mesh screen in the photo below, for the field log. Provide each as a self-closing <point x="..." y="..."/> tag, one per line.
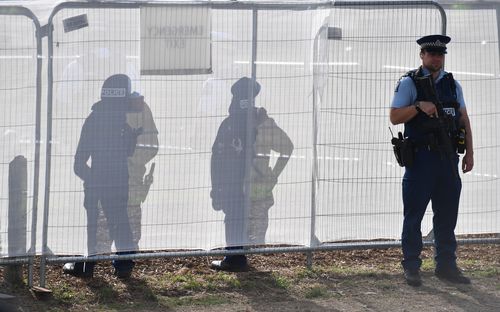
<point x="18" y="64"/>
<point x="326" y="107"/>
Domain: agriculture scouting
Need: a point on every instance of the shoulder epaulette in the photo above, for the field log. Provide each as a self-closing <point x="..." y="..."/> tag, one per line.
<point x="410" y="74"/>
<point x="453" y="84"/>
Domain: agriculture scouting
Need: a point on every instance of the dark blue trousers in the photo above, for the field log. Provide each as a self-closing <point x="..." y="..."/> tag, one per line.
<point x="114" y="205"/>
<point x="433" y="177"/>
<point x="235" y="236"/>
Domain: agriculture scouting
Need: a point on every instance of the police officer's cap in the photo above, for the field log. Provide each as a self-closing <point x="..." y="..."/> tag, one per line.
<point x="434" y="43"/>
<point x="116" y="87"/>
<point x="244" y="86"/>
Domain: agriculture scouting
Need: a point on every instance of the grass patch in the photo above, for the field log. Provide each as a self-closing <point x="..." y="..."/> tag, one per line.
<point x="316" y="292"/>
<point x="66" y="294"/>
<point x="468" y="262"/>
<point x="207" y="300"/>
<point x="249" y="284"/>
<point x="386" y="285"/>
<point x="348" y="282"/>
<point x="427" y="265"/>
<point x="192" y="282"/>
<point x="186" y="281"/>
<point x="488" y="272"/>
<point x="106" y="294"/>
<point x="222" y="279"/>
<point x="56" y="309"/>
<point x="127" y="305"/>
<point x="281" y="281"/>
<point x="343" y="271"/>
<point x="160" y="285"/>
<point x="303" y="273"/>
<point x="330" y="271"/>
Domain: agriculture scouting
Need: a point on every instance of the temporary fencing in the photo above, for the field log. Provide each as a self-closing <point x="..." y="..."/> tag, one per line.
<point x="20" y="89"/>
<point x="323" y="71"/>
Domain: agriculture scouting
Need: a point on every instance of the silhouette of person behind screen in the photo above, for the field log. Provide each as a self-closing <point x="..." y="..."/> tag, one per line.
<point x="108" y="141"/>
<point x="138" y="116"/>
<point x="228" y="163"/>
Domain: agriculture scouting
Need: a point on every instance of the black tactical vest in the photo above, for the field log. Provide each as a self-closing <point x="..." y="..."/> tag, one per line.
<point x="422" y="128"/>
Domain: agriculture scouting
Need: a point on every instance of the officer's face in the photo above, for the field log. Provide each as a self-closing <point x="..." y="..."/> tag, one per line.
<point x="137" y="103"/>
<point x="433" y="61"/>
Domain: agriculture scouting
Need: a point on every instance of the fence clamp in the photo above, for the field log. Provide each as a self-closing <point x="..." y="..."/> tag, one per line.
<point x="45" y="30"/>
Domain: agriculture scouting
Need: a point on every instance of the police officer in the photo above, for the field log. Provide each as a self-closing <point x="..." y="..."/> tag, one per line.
<point x="433" y="176"/>
<point x="140" y="116"/>
<point x="228" y="171"/>
<point x="108" y="141"/>
<point x="263" y="176"/>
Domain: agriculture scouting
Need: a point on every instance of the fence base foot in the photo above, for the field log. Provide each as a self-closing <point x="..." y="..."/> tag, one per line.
<point x="41" y="293"/>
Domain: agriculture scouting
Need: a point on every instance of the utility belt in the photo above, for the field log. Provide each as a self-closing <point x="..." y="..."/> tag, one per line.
<point x="403" y="150"/>
<point x="427" y="146"/>
<point x="406" y="148"/>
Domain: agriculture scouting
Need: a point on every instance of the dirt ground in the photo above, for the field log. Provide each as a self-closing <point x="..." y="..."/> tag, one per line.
<point x="358" y="280"/>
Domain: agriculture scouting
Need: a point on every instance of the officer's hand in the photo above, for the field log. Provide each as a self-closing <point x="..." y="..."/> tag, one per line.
<point x="148" y="179"/>
<point x="467" y="162"/>
<point x="216" y="200"/>
<point x="216" y="205"/>
<point x="429" y="108"/>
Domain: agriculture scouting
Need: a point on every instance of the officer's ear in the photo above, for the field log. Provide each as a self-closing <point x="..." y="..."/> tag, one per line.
<point x="422" y="52"/>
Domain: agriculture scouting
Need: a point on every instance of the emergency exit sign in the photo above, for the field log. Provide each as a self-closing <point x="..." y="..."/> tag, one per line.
<point x="175" y="40"/>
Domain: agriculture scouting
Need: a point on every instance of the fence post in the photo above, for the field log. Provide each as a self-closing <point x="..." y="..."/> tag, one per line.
<point x="18" y="177"/>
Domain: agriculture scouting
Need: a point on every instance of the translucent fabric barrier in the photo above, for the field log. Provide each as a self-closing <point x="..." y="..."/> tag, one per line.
<point x="359" y="180"/>
<point x="199" y="126"/>
<point x="359" y="190"/>
<point x="474" y="61"/>
<point x="190" y="112"/>
<point x="18" y="91"/>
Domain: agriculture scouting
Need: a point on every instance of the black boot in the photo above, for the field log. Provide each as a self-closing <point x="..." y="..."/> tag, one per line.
<point x="237" y="263"/>
<point x="452" y="275"/>
<point x="79" y="269"/>
<point x="412" y="277"/>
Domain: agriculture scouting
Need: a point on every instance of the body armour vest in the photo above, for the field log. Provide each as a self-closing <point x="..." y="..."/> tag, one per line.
<point x="421" y="128"/>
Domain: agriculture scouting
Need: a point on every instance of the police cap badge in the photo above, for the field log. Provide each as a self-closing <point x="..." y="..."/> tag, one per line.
<point x="434" y="43"/>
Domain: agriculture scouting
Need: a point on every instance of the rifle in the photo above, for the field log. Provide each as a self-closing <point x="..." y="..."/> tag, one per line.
<point x="442" y="123"/>
<point x="148" y="180"/>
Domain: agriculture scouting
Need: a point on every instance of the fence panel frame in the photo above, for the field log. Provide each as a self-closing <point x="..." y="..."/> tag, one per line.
<point x="22" y="11"/>
<point x="223" y="5"/>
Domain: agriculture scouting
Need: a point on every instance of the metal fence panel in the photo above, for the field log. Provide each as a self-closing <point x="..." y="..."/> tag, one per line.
<point x="341" y="89"/>
<point x="474" y="61"/>
<point x="359" y="180"/>
<point x="330" y="97"/>
<point x="20" y="90"/>
<point x="187" y="110"/>
<point x="362" y="179"/>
